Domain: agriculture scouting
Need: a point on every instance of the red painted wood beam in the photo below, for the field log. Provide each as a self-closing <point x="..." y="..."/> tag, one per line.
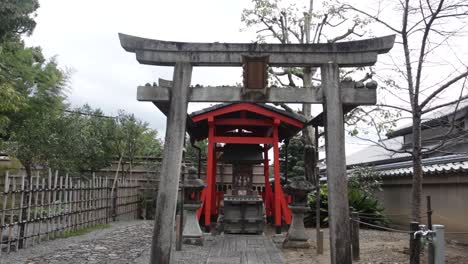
<point x="268" y="191"/>
<point x="209" y="172"/>
<point x="202" y="207"/>
<point x="286" y="211"/>
<point x="213" y="184"/>
<point x="254" y="129"/>
<point x="244" y="140"/>
<point x="251" y="108"/>
<point x="277" y="176"/>
<point x="230" y="134"/>
<point x="243" y="122"/>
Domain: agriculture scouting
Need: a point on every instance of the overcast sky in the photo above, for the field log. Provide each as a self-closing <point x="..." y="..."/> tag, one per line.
<point x="83" y="36"/>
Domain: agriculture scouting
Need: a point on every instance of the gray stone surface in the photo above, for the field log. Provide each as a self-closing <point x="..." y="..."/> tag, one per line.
<point x="122" y="243"/>
<point x="171" y="163"/>
<point x="275" y="95"/>
<point x="192" y="233"/>
<point x="166" y="53"/>
<point x="130" y="242"/>
<point x="338" y="207"/>
<point x="296" y="236"/>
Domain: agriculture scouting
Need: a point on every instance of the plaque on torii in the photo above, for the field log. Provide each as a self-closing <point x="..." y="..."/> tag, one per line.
<point x="332" y="94"/>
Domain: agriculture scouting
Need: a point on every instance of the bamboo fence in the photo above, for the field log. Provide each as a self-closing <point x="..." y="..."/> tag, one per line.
<point x="51" y="206"/>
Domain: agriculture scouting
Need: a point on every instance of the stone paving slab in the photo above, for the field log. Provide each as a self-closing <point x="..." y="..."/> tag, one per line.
<point x="122" y="243"/>
<point x="130" y="242"/>
<point x="244" y="249"/>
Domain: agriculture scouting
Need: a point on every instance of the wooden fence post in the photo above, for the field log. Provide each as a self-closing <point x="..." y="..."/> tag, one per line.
<point x="319" y="233"/>
<point x="21" y="217"/>
<point x="320" y="242"/>
<point x="114" y="201"/>
<point x="5" y="238"/>
<point x="355" y="236"/>
<point x="54" y="206"/>
<point x="36" y="206"/>
<point x="415" y="245"/>
<point x="107" y="200"/>
<point x="12" y="213"/>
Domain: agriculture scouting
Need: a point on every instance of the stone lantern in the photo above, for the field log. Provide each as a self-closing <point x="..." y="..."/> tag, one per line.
<point x="298" y="187"/>
<point x="192" y="233"/>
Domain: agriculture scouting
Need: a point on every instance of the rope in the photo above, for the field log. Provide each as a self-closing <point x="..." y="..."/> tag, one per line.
<point x="446" y="218"/>
<point x="403" y="231"/>
<point x="384" y="228"/>
<point x="372" y="218"/>
<point x="372" y="214"/>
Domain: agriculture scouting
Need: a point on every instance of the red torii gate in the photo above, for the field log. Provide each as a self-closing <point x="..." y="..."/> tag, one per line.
<point x="267" y="125"/>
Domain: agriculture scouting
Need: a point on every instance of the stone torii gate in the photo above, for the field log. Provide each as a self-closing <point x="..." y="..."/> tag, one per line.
<point x="332" y="94"/>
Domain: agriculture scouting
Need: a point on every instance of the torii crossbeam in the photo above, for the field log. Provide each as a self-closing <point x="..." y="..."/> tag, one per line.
<point x="329" y="57"/>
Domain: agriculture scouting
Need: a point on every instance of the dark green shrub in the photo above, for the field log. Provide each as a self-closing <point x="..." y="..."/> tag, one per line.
<point x="362" y="185"/>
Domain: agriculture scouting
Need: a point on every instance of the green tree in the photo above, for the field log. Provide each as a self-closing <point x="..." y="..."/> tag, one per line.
<point x="40" y="86"/>
<point x="191" y="156"/>
<point x="84" y="141"/>
<point x="10" y="102"/>
<point x="17" y="17"/>
<point x="295" y="157"/>
<point x="134" y="138"/>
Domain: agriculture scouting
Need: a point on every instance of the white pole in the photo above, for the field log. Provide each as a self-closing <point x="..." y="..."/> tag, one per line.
<point x="439" y="244"/>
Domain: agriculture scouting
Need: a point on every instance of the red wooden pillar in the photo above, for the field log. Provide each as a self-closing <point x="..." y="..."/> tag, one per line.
<point x="277" y="177"/>
<point x="268" y="192"/>
<point x="214" y="189"/>
<point x="209" y="172"/>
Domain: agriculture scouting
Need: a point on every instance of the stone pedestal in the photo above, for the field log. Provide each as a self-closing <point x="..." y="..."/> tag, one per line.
<point x="296" y="237"/>
<point x="192" y="233"/>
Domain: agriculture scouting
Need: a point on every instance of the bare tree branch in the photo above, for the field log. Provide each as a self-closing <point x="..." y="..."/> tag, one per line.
<point x="346" y="34"/>
<point x="373" y="17"/>
<point x="422" y="52"/>
<point x="394" y="107"/>
<point x="452" y="125"/>
<point x="443" y="87"/>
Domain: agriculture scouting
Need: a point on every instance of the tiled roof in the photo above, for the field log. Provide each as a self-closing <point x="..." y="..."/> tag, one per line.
<point x="433" y="118"/>
<point x="434" y="165"/>
<point x="374" y="153"/>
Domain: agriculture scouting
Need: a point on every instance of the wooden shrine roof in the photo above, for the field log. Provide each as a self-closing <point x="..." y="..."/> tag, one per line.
<point x="290" y="123"/>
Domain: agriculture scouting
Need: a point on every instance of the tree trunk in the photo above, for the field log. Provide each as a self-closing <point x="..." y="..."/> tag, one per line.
<point x="416" y="192"/>
<point x="28" y="169"/>
<point x="308" y="134"/>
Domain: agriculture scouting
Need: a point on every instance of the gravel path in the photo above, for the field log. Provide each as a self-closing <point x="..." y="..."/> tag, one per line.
<point x="130" y="241"/>
<point x="122" y="243"/>
<point x="377" y="247"/>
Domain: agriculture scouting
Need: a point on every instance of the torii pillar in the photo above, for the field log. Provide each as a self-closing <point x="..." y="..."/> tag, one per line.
<point x="171" y="164"/>
<point x="328" y="56"/>
<point x="338" y="207"/>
